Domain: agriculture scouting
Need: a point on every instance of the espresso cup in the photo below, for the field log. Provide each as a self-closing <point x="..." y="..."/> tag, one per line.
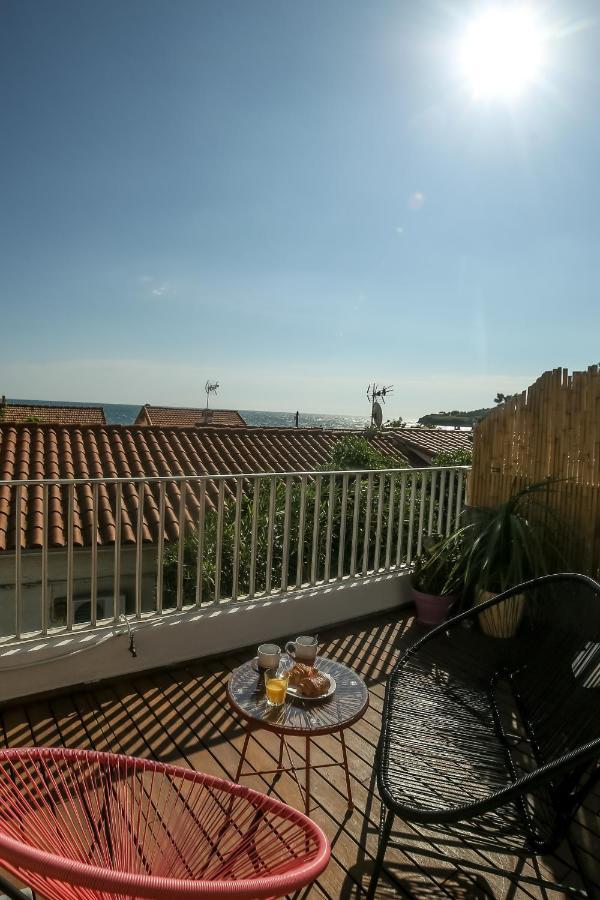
<point x="269" y="656"/>
<point x="303" y="649"/>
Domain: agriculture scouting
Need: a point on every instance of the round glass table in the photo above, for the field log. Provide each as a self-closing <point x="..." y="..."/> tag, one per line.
<point x="298" y="718"/>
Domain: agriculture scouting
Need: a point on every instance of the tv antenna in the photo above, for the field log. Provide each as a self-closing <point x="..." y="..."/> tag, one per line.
<point x="211" y="387"/>
<point x="375" y="393"/>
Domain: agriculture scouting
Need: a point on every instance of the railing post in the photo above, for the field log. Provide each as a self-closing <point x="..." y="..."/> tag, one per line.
<point x="94" y="554"/>
<point x="253" y="538"/>
<point x="270" y="526"/>
<point x="160" y="552"/>
<point x="329" y="533"/>
<point x="424" y="477"/>
<point x="117" y="564"/>
<point x="139" y="544"/>
<point x="117" y="558"/>
<point x="440" y="529"/>
<point x="219" y="540"/>
<point x="399" y="542"/>
<point x="314" y="560"/>
<point x="380" y="493"/>
<point x="285" y="555"/>
<point x="301" y="530"/>
<point x="181" y="544"/>
<point x="236" y="540"/>
<point x="452" y="479"/>
<point x="459" y="497"/>
<point x="411" y="518"/>
<point x="200" y="549"/>
<point x="70" y="514"/>
<point x="367" y="538"/>
<point x="390" y="528"/>
<point x="434" y="475"/>
<point x="355" y="523"/>
<point x="342" y="538"/>
<point x="45" y="597"/>
<point x="18" y="571"/>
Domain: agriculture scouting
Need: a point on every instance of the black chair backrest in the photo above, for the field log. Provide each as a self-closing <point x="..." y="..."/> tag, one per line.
<point x="558" y="674"/>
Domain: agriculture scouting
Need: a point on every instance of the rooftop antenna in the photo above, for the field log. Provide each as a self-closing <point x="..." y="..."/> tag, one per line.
<point x="375" y="393"/>
<point x="211" y="387"/>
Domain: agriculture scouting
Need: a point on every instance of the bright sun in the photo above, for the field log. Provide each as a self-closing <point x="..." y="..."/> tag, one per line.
<point x="500" y="52"/>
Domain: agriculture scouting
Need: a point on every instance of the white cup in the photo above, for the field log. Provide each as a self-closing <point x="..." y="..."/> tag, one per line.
<point x="303" y="649"/>
<point x="269" y="656"/>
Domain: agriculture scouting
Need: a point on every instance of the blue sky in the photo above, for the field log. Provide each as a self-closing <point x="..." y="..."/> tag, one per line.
<point x="294" y="199"/>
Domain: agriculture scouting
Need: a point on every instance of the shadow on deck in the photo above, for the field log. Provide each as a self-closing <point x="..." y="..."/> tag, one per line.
<point x="181" y="715"/>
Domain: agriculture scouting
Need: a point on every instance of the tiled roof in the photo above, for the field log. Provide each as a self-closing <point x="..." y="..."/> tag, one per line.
<point x="55" y="415"/>
<point x="44" y="451"/>
<point x="421" y="445"/>
<point x="187" y="416"/>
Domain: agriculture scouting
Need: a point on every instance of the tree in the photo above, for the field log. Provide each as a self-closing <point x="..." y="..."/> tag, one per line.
<point x="356" y="452"/>
<point x="502" y="398"/>
<point x="453" y="458"/>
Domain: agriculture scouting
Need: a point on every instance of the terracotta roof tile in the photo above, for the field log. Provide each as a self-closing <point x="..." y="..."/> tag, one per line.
<point x="106" y="451"/>
<point x="421" y="445"/>
<point x="188" y="416"/>
<point x="56" y="415"/>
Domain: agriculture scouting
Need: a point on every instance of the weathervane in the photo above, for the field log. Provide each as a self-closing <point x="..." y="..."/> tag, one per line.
<point x="374" y="392"/>
<point x="210" y="388"/>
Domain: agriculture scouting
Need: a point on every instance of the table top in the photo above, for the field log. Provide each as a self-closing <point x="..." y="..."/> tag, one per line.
<point x="246" y="694"/>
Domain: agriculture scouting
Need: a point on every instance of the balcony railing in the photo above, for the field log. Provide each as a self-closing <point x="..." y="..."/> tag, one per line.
<point x="80" y="553"/>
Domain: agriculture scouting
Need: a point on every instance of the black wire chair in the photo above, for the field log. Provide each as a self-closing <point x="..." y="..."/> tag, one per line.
<point x="495" y="740"/>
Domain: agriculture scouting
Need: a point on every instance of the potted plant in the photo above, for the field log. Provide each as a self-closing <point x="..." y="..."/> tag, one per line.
<point x="434" y="584"/>
<point x="501" y="546"/>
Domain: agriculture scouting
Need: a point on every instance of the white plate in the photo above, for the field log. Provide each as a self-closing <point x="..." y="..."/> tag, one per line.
<point x="294" y="692"/>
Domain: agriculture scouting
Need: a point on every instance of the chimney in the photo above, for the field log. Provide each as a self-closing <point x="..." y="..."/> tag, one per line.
<point x="3" y="403"/>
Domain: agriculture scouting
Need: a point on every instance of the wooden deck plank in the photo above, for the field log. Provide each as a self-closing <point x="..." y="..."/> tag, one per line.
<point x="364" y="829"/>
<point x="373" y="655"/>
<point x="197" y="756"/>
<point x="364" y="750"/>
<point x="263" y="752"/>
<point x="181" y="715"/>
<point x="362" y="826"/>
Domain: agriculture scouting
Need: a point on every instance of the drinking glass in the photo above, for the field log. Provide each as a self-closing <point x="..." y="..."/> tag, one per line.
<point x="276" y="684"/>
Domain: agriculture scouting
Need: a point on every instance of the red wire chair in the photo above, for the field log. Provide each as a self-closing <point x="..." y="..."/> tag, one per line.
<point x="83" y="824"/>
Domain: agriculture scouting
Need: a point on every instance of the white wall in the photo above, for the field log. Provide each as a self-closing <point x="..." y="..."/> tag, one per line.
<point x="31" y="585"/>
<point x="43" y="665"/>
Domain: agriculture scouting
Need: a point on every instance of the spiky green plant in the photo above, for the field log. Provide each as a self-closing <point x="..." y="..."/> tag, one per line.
<point x="503" y="545"/>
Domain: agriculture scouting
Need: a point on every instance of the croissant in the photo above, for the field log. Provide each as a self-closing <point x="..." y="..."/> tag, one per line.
<point x="314" y="685"/>
<point x="299" y="672"/>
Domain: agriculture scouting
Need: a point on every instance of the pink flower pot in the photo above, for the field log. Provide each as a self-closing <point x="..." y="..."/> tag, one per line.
<point x="431" y="608"/>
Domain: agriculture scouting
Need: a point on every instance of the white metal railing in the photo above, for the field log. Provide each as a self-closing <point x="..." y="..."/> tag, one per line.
<point x="78" y="553"/>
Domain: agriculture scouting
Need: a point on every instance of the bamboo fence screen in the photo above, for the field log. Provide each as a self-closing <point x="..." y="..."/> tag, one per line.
<point x="551" y="430"/>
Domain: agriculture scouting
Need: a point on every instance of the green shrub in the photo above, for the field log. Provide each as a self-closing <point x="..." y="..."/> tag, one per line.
<point x="453" y="458"/>
<point x="354" y="451"/>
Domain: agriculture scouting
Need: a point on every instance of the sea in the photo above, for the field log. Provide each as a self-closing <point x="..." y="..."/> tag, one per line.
<point x="125" y="414"/>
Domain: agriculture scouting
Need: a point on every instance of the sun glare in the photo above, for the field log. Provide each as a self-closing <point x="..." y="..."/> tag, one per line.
<point x="500" y="52"/>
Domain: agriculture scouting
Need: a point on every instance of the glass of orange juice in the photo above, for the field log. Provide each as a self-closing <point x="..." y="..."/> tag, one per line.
<point x="276" y="683"/>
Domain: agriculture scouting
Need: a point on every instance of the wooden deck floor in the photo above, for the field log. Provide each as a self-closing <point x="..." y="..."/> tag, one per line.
<point x="181" y="715"/>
